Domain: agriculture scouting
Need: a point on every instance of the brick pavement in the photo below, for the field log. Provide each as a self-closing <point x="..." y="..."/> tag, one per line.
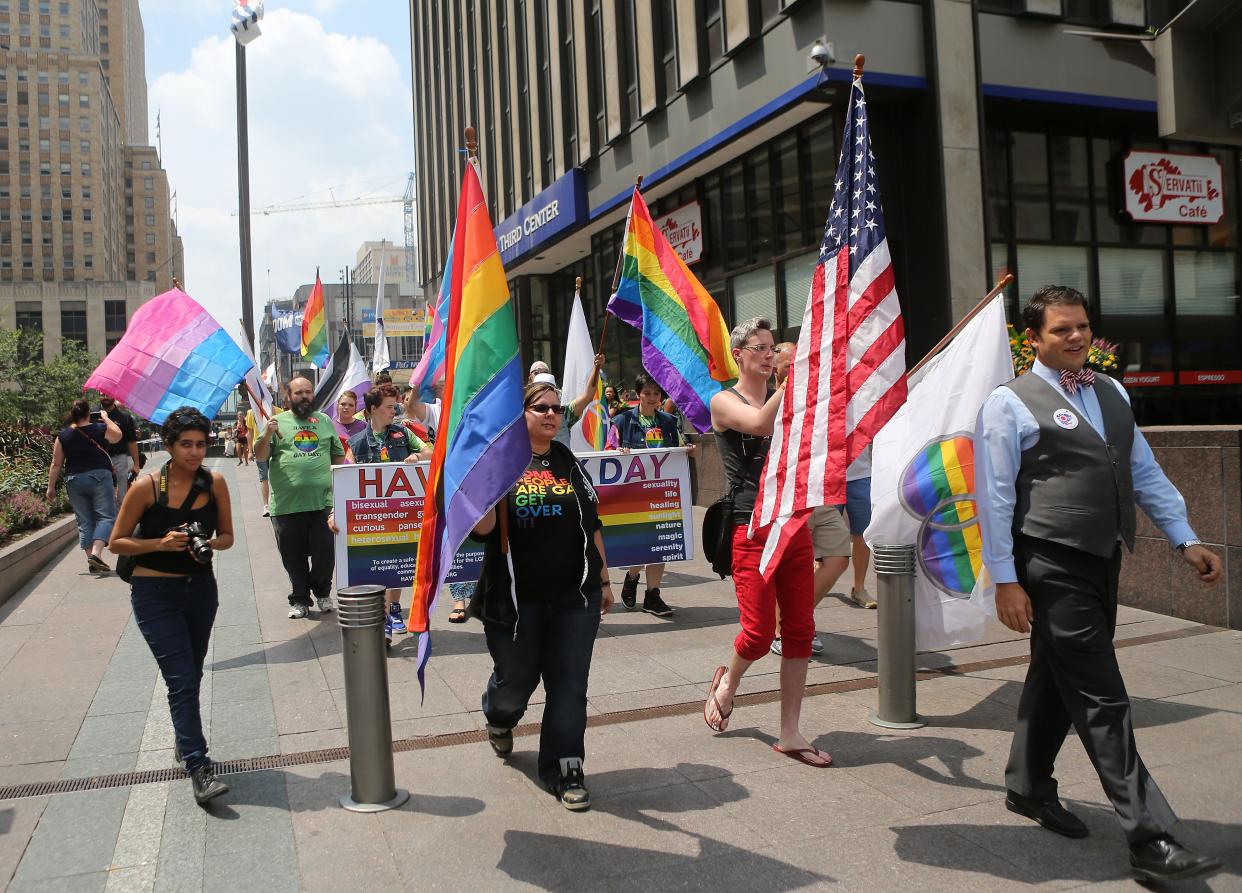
<point x="674" y="806"/>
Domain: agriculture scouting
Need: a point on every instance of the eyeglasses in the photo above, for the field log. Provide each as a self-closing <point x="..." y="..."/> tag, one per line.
<point x="545" y="408"/>
<point x="762" y="348"/>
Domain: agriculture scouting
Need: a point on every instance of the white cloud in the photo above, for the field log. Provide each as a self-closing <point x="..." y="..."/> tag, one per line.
<point x="325" y="109"/>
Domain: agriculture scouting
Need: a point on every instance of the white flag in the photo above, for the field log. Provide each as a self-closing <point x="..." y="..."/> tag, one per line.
<point x="923" y="482"/>
<point x="579" y="364"/>
<point x="379" y="358"/>
<point x="261" y="399"/>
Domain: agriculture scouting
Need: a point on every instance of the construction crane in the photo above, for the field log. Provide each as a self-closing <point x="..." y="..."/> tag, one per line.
<point x="407" y="200"/>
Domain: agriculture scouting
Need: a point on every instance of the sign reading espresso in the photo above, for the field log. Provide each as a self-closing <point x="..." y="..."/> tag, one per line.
<point x="1164" y="187"/>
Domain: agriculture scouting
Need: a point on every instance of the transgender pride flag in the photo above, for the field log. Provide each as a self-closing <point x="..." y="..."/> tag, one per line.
<point x="173" y="354"/>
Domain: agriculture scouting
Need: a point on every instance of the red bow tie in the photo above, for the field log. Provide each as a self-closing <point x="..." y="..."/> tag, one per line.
<point x="1072" y="381"/>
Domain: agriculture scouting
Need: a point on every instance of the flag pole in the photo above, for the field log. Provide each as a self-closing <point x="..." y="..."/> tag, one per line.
<point x="1001" y="285"/>
<point x="616" y="276"/>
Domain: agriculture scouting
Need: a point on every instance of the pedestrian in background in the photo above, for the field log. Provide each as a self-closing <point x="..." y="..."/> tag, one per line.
<point x="243" y="442"/>
<point x="81" y="448"/>
<point x="124" y="452"/>
<point x="540" y="623"/>
<point x="301" y="446"/>
<point x="173" y="588"/>
<point x="857" y="510"/>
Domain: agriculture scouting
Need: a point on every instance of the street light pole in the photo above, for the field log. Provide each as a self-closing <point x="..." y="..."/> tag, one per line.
<point x="243" y="195"/>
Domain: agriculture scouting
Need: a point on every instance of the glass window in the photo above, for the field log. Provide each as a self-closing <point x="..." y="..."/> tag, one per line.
<point x="114" y="316"/>
<point x="1225" y="233"/>
<point x="998" y="183"/>
<point x="754" y="294"/>
<point x="788" y="193"/>
<point x="797" y="272"/>
<point x="1204" y="283"/>
<point x="713" y="26"/>
<point x="1131" y="282"/>
<point x="1030" y="185"/>
<point x="1071" y="216"/>
<point x="73" y="319"/>
<point x="759" y="204"/>
<point x="733" y="216"/>
<point x="1040" y="265"/>
<point x="668" y="47"/>
<point x="30" y="315"/>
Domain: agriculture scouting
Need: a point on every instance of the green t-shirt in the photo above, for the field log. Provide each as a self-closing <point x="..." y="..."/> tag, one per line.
<point x="300" y="465"/>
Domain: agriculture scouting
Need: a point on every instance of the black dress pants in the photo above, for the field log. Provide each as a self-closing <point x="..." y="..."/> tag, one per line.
<point x="308" y="552"/>
<point x="1074" y="679"/>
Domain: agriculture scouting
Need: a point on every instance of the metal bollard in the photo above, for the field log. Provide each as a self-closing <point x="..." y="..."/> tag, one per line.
<point x="894" y="568"/>
<point x="360" y="613"/>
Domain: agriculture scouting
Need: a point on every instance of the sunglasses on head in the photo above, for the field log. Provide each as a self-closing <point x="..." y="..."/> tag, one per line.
<point x="545" y="408"/>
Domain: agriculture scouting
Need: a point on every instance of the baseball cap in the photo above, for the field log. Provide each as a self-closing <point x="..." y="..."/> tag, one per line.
<point x="545" y="378"/>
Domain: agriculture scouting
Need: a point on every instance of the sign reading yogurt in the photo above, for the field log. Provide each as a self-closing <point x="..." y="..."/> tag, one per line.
<point x="684" y="230"/>
<point x="558" y="208"/>
<point x="1165" y="187"/>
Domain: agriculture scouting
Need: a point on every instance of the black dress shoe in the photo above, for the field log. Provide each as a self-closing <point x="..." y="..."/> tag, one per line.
<point x="1049" y="813"/>
<point x="1164" y="859"/>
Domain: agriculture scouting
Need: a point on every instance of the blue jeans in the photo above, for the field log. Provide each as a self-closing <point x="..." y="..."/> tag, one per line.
<point x="175" y="615"/>
<point x="554" y="642"/>
<point x="93" y="498"/>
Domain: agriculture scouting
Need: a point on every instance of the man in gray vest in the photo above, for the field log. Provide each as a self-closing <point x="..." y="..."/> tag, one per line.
<point x="1060" y="466"/>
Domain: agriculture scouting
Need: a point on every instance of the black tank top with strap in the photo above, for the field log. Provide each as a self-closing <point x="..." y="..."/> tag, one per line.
<point x="742" y="456"/>
<point x="160" y="517"/>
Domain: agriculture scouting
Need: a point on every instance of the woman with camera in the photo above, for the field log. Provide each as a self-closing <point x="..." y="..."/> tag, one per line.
<point x="170" y="527"/>
<point x="81" y="448"/>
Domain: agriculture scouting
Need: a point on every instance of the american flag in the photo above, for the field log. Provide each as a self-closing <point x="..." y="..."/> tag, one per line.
<point x="848" y="376"/>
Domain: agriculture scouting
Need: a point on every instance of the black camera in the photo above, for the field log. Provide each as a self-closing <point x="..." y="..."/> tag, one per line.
<point x="199" y="544"/>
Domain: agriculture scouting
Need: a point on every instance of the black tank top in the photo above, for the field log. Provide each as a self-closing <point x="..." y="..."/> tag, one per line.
<point x="161" y="517"/>
<point x="742" y="456"/>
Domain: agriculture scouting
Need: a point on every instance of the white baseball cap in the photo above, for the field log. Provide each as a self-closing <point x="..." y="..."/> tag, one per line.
<point x="544" y="378"/>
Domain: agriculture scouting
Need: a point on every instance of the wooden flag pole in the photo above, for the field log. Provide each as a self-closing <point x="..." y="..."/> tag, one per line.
<point x="859" y="61"/>
<point x="616" y="276"/>
<point x="956" y="330"/>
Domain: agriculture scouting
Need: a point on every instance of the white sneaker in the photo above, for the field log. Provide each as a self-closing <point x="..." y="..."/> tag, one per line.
<point x="267" y="513"/>
<point x="298" y="612"/>
<point x="325" y="604"/>
<point x="776" y="647"/>
<point x="817" y="644"/>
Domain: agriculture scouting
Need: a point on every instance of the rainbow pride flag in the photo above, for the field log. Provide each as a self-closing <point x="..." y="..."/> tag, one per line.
<point x="685" y="340"/>
<point x="430" y="368"/>
<point x="595" y="418"/>
<point x="315" y="327"/>
<point x="173" y="354"/>
<point x="482" y="446"/>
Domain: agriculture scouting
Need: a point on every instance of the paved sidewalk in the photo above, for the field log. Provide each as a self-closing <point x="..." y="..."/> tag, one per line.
<point x="674" y="806"/>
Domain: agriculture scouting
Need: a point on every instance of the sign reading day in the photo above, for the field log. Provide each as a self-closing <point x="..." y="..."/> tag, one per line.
<point x="644" y="504"/>
<point x="559" y="207"/>
<point x="1166" y="187"/>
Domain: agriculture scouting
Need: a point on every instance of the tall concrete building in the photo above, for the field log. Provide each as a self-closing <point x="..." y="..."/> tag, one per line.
<point x="367" y="264"/>
<point x="82" y="197"/>
<point x="1008" y="135"/>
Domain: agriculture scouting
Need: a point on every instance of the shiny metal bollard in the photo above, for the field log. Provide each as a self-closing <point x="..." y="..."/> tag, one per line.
<point x="360" y="612"/>
<point x="894" y="569"/>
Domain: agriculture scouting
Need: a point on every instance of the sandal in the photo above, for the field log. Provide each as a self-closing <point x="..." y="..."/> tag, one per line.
<point x="805" y="756"/>
<point x="457" y="615"/>
<point x="723" y="723"/>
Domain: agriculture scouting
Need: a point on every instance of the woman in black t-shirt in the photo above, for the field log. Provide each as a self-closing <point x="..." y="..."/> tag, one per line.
<point x="174" y="592"/>
<point x="541" y="621"/>
<point x="81" y="448"/>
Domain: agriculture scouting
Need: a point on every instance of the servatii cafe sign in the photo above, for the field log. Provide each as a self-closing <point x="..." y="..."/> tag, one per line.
<point x="1165" y="187"/>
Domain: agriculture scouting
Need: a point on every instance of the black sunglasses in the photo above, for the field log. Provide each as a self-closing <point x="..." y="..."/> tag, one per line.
<point x="545" y="408"/>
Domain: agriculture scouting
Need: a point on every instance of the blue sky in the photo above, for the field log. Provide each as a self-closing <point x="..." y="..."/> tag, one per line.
<point x="329" y="98"/>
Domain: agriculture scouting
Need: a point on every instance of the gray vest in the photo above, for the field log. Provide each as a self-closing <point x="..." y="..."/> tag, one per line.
<point x="1074" y="487"/>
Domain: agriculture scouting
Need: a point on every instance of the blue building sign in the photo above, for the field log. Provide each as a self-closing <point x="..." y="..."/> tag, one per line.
<point x="560" y="207"/>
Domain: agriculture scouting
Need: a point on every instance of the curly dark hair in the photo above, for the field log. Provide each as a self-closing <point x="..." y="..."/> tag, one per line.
<point x="181" y="420"/>
<point x="376" y="396"/>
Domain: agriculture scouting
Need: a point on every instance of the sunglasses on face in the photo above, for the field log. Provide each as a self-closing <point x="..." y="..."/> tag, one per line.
<point x="545" y="408"/>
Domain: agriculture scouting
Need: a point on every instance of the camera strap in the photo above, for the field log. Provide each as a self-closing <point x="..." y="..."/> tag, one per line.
<point x="202" y="482"/>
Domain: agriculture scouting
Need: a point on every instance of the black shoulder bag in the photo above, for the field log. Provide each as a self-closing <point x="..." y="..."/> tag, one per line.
<point x="718" y="526"/>
<point x="125" y="564"/>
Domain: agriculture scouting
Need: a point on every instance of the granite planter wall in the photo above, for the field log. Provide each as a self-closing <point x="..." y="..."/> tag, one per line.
<point x="21" y="560"/>
<point x="1205" y="464"/>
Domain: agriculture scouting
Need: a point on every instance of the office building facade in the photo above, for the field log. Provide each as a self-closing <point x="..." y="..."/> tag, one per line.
<point x="1004" y="143"/>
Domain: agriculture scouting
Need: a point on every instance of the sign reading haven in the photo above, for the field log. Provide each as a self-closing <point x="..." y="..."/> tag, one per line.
<point x="644" y="504"/>
<point x="1165" y="187"/>
<point x="684" y="230"/>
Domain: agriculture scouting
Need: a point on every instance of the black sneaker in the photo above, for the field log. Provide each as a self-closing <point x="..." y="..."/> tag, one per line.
<point x="653" y="604"/>
<point x="205" y="784"/>
<point x="571" y="788"/>
<point x="629" y="592"/>
<point x="501" y="741"/>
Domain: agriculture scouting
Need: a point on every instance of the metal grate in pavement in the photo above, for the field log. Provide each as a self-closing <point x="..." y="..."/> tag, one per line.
<point x="478" y="736"/>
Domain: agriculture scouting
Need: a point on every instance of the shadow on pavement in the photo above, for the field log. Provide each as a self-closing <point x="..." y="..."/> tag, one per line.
<point x="993" y="713"/>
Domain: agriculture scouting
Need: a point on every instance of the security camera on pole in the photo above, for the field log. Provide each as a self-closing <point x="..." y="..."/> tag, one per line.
<point x="245" y="28"/>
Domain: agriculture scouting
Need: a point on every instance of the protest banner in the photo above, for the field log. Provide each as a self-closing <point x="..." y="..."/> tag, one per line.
<point x="644" y="504"/>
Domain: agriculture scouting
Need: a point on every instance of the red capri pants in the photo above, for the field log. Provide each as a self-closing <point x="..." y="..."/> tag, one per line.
<point x="792" y="586"/>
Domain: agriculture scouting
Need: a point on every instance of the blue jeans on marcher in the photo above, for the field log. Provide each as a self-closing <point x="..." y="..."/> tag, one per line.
<point x="554" y="642"/>
<point x="175" y="615"/>
<point x="93" y="497"/>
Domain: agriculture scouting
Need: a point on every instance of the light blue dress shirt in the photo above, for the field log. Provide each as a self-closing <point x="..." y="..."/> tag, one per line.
<point x="1006" y="428"/>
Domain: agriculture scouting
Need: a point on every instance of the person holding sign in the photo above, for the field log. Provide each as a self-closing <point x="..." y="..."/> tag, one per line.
<point x="743" y="417"/>
<point x="383" y="440"/>
<point x="645" y="426"/>
<point x="541" y="621"/>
